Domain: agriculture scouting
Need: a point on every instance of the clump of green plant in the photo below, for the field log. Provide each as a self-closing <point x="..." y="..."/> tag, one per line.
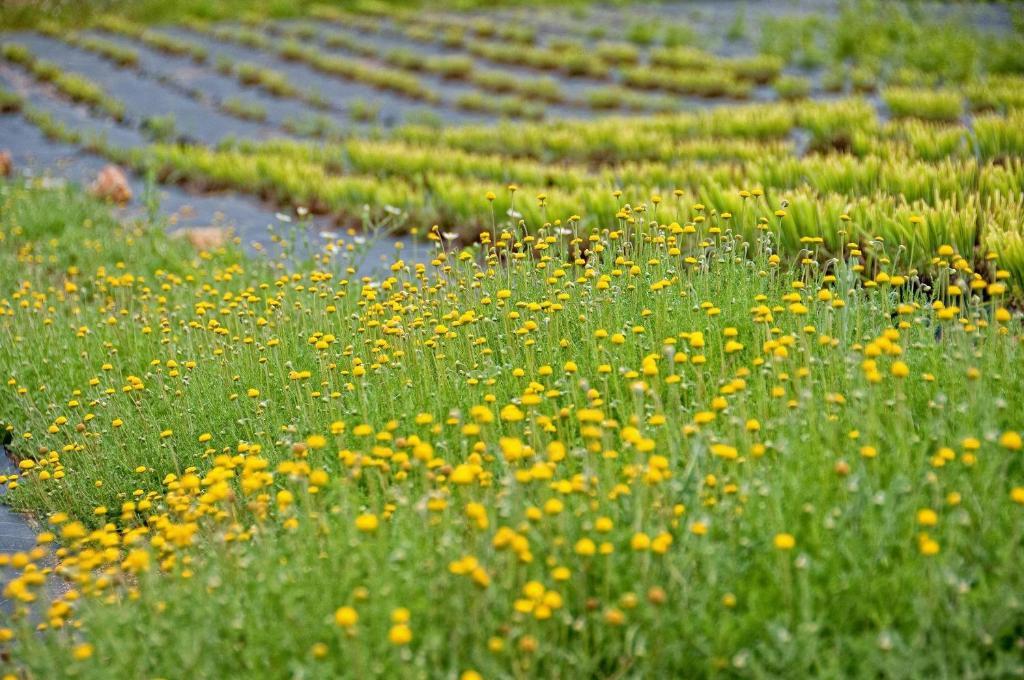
<point x="927" y="104"/>
<point x="681" y="57"/>
<point x="534" y="57"/>
<point x="16" y="53"/>
<point x="738" y="26"/>
<point x="577" y="61"/>
<point x="642" y="33"/>
<point x="365" y="23"/>
<point x="51" y="127"/>
<point x="450" y="67"/>
<point x="617" y="53"/>
<point x="9" y="101"/>
<point x="676" y="35"/>
<point x="161" y="128"/>
<point x="124" y="57"/>
<point x="760" y="69"/>
<point x="832" y="126"/>
<point x="349" y="42"/>
<point x="225" y="65"/>
<point x="453" y="37"/>
<point x="611" y="97"/>
<point x="1000" y="137"/>
<point x="1005" y="56"/>
<point x="245" y="109"/>
<point x="363" y="111"/>
<point x="313" y="125"/>
<point x="907" y="76"/>
<point x="273" y="82"/>
<point x="424" y="119"/>
<point x="864" y="78"/>
<point x="517" y="33"/>
<point x="405" y="58"/>
<point x="474" y="101"/>
<point x="544" y="88"/>
<point x="44" y="70"/>
<point x="793" y="87"/>
<point x="511" y="107"/>
<point x="795" y="40"/>
<point x="702" y="83"/>
<point x="997" y="93"/>
<point x="483" y="27"/>
<point x="834" y="78"/>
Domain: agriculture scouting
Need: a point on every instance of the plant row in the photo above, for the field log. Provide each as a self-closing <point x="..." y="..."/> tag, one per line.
<point x="74" y="86"/>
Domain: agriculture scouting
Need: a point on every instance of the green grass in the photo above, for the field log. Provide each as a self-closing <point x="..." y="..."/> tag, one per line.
<point x="31" y="13"/>
<point x="927" y="104"/>
<point x="74" y="86"/>
<point x="654" y="398"/>
<point x="703" y="447"/>
<point x="10" y="102"/>
<point x="246" y="109"/>
<point x="793" y="87"/>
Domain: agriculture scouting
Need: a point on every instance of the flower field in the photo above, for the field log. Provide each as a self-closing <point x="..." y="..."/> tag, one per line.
<point x="694" y="350"/>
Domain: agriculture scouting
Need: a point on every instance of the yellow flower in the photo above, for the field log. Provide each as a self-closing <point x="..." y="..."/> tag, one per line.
<point x="1011" y="440"/>
<point x="784" y="541"/>
<point x="137" y="561"/>
<point x="614" y="617"/>
<point x="927" y="546"/>
<point x="400" y="634"/>
<point x="367" y="523"/>
<point x="82" y="651"/>
<point x="724" y="451"/>
<point x="585" y="547"/>
<point x="927" y="517"/>
<point x="346" y="617"/>
<point x="512" y="413"/>
<point x="463" y="474"/>
<point x="640" y="541"/>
